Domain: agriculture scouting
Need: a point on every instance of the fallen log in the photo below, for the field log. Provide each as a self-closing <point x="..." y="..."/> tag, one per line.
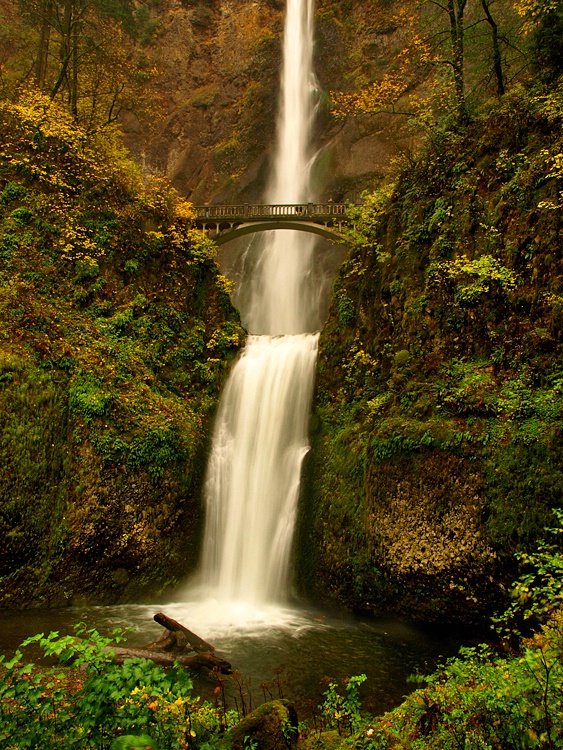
<point x="173" y="627"/>
<point x="172" y="647"/>
<point x="170" y="642"/>
<point x="191" y="661"/>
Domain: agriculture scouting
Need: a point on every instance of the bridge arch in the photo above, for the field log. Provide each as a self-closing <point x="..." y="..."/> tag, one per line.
<point x="329" y="233"/>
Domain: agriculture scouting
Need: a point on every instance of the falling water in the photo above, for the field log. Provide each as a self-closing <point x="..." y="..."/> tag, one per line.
<point x="260" y="436"/>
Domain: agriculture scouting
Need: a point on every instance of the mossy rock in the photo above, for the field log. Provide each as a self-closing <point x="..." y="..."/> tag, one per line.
<point x="272" y="726"/>
<point x="439" y="386"/>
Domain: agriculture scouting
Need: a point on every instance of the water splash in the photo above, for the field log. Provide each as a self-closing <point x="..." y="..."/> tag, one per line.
<point x="255" y="466"/>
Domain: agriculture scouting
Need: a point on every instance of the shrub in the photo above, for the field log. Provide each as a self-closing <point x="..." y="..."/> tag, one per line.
<point x="135" y="698"/>
<point x="488" y="699"/>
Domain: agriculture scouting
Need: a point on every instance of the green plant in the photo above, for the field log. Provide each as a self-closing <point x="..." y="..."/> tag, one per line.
<point x="155" y="450"/>
<point x="132" y="266"/>
<point x="22" y="216"/>
<point x="343" y="711"/>
<point x="8" y="244"/>
<point x="345" y="306"/>
<point x="133" y="742"/>
<point x="88" y="398"/>
<point x="289" y="732"/>
<point x="484" y="698"/>
<point x="12" y="192"/>
<point x="471" y="279"/>
<point x="86" y="268"/>
<point x="538" y="592"/>
<point x="136" y="698"/>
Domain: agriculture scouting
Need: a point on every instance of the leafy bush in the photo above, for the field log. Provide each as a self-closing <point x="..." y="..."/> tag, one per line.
<point x="88" y="398"/>
<point x="155" y="450"/>
<point x="494" y="700"/>
<point x="12" y="192"/>
<point x="106" y="701"/>
<point x="86" y="268"/>
<point x="342" y="712"/>
<point x="22" y="216"/>
<point x="473" y="278"/>
<point x="538" y="593"/>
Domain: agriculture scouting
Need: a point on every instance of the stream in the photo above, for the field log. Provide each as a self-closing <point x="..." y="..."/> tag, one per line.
<point x="290" y="650"/>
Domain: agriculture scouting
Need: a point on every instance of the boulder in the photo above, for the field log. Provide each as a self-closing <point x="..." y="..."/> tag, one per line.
<point x="272" y="726"/>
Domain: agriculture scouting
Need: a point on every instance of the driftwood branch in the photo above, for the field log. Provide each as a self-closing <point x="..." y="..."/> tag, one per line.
<point x="194" y="641"/>
<point x="174" y="646"/>
<point x="192" y="661"/>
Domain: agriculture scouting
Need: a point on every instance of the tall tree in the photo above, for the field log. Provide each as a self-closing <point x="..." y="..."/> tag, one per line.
<point x="86" y="52"/>
<point x="497" y="57"/>
<point x="443" y="33"/>
<point x="45" y="9"/>
<point x="456" y="14"/>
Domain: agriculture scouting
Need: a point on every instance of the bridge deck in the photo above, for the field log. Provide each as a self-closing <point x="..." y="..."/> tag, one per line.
<point x="246" y="212"/>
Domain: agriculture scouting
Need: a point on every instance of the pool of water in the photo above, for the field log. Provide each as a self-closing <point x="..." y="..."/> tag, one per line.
<point x="276" y="650"/>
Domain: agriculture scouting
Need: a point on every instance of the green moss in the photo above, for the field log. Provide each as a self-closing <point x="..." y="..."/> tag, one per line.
<point x="115" y="335"/>
<point x="443" y="372"/>
<point x="87" y="398"/>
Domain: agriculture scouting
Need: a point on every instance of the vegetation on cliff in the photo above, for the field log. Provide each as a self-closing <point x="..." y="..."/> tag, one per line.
<point x="437" y="445"/>
<point x="115" y="332"/>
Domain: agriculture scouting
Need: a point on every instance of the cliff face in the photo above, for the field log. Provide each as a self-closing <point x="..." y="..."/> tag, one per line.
<point x="115" y="328"/>
<point x="218" y="82"/>
<point x="436" y="431"/>
<point x="115" y="334"/>
<point x="437" y="426"/>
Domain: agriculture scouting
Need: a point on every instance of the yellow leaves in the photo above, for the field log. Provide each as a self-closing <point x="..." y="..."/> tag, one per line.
<point x="46" y="145"/>
<point x="411" y="65"/>
<point x="557" y="166"/>
<point x="379" y="403"/>
<point x="37" y="112"/>
<point x="554" y="167"/>
<point x="184" y="210"/>
<point x="549" y="205"/>
<point x="532" y="12"/>
<point x="225" y="284"/>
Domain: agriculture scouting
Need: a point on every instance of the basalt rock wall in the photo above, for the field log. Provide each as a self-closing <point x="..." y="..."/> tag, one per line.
<point x="437" y="427"/>
<point x="218" y="82"/>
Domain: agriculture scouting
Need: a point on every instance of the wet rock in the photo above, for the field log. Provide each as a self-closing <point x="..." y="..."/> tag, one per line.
<point x="120" y="576"/>
<point x="272" y="726"/>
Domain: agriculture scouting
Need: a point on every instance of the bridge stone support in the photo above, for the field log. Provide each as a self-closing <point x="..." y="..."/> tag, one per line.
<point x="266" y="226"/>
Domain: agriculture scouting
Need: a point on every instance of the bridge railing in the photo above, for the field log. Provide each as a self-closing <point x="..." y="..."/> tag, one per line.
<point x="252" y="212"/>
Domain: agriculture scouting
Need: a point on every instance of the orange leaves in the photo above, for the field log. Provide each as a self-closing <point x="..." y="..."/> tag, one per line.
<point x="412" y="64"/>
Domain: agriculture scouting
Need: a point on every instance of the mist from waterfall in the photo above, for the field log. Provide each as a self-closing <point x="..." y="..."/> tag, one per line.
<point x="260" y="437"/>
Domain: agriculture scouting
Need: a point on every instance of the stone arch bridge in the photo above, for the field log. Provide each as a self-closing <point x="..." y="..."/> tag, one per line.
<point x="226" y="223"/>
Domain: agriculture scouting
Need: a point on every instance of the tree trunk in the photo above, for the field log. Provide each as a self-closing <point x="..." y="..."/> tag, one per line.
<point x="196" y="643"/>
<point x="74" y="77"/>
<point x="456" y="10"/>
<point x="66" y="49"/>
<point x="191" y="661"/>
<point x="43" y="45"/>
<point x="172" y="647"/>
<point x="497" y="58"/>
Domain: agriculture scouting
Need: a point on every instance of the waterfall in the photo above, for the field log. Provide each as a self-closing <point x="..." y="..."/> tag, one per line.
<point x="260" y="437"/>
